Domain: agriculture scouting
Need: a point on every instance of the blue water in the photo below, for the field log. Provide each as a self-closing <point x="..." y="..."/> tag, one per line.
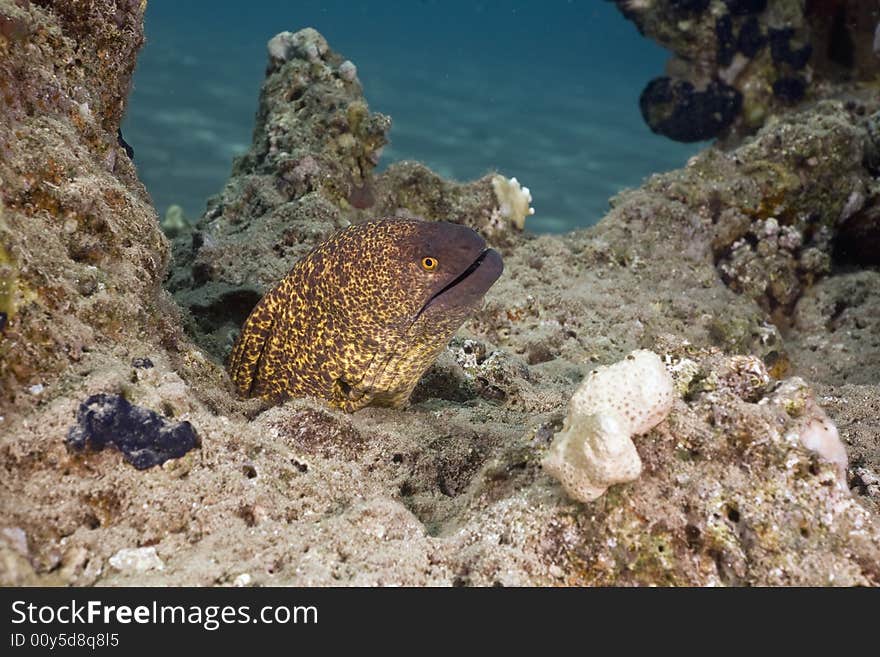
<point x="544" y="91"/>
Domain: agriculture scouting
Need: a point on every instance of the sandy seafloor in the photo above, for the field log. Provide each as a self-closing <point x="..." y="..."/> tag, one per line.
<point x="449" y="491"/>
<point x="544" y="91"/>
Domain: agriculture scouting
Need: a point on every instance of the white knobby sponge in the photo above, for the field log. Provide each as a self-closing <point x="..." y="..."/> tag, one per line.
<point x="594" y="449"/>
<point x="306" y="44"/>
<point x="514" y="200"/>
<point x="817" y="431"/>
<point x="820" y="435"/>
<point x="348" y="71"/>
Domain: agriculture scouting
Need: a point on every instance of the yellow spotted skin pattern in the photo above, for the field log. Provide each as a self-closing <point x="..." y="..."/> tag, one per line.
<point x="360" y="318"/>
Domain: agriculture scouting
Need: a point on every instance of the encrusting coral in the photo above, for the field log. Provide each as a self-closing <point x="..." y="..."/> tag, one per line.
<point x="76" y="226"/>
<point x="818" y="432"/>
<point x="595" y="450"/>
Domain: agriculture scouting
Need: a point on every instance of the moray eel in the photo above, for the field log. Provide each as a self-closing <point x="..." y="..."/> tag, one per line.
<point x="364" y="314"/>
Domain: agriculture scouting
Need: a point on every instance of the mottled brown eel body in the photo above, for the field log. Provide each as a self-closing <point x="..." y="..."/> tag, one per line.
<point x="364" y="314"/>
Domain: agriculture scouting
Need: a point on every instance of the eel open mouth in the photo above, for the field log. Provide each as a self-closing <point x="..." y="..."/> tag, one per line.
<point x="472" y="283"/>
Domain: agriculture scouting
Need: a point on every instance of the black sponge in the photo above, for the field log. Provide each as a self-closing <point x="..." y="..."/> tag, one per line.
<point x="743" y="7"/>
<point x="144" y="437"/>
<point x="674" y="108"/>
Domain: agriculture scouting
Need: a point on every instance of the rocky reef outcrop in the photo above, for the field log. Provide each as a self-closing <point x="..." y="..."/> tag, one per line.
<point x="81" y="255"/>
<point x="736" y="63"/>
<point x="450" y="491"/>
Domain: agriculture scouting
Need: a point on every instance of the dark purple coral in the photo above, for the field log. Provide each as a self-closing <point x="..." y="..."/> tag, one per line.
<point x="751" y="39"/>
<point x="782" y="51"/>
<point x="692" y="6"/>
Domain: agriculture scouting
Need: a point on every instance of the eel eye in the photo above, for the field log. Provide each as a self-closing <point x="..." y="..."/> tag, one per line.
<point x="429" y="264"/>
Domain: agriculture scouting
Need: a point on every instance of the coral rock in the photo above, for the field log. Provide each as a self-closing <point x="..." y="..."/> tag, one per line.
<point x="816" y="49"/>
<point x="73" y="215"/>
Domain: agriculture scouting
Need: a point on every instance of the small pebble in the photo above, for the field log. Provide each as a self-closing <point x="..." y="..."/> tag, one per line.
<point x="348" y="71"/>
<point x="17" y="539"/>
<point x="242" y="580"/>
<point x="137" y="560"/>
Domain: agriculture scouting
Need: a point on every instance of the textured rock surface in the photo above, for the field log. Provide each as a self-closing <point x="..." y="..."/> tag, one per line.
<point x="450" y="491"/>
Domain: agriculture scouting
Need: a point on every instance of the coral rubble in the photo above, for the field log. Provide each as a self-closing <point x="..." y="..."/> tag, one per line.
<point x="514" y="200"/>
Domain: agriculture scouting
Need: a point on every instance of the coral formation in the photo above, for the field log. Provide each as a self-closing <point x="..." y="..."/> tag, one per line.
<point x="595" y="449"/>
<point x="314" y="131"/>
<point x="144" y="437"/>
<point x="76" y="226"/>
<point x="820" y="435"/>
<point x="678" y="110"/>
<point x="174" y="222"/>
<point x="306" y="44"/>
<point x="775" y="204"/>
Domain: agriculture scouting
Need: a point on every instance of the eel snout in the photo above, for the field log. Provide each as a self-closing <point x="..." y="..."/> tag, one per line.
<point x="466" y="289"/>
